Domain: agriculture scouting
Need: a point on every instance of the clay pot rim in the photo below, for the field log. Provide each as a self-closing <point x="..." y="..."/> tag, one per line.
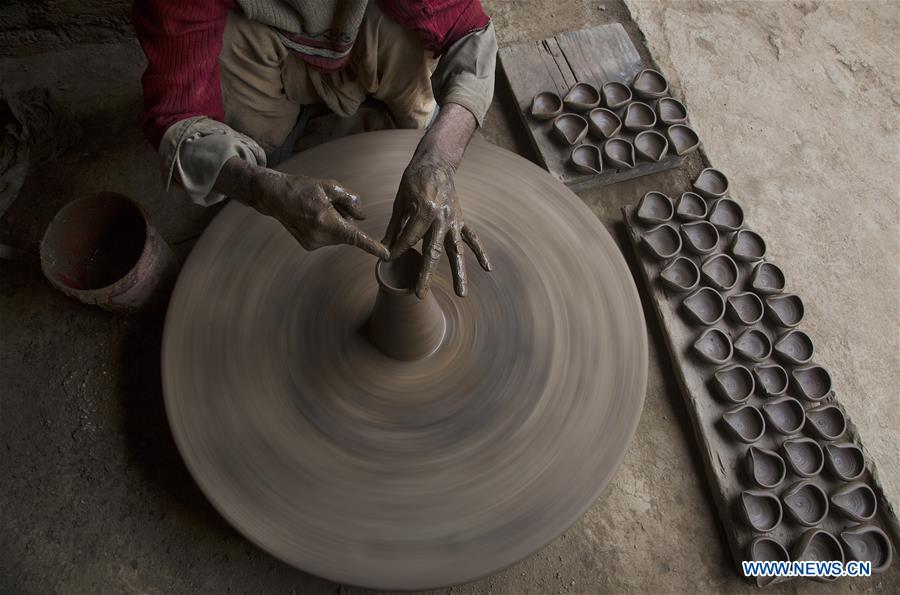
<point x="380" y="278"/>
<point x="805" y="485"/>
<point x="121" y="284"/>
<point x="548" y="115"/>
<point x="770" y="454"/>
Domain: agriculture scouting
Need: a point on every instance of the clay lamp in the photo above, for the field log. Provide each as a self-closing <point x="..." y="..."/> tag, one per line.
<point x="700" y="237"/>
<point x="745" y="308"/>
<point x="785" y="415"/>
<point x="765" y="467"/>
<point x="855" y="501"/>
<point x="655" y="208"/>
<point x="682" y="138"/>
<point x="582" y="97"/>
<point x="570" y="128"/>
<point x="691" y="207"/>
<point x="795" y="347"/>
<point x="746" y="423"/>
<point x="638" y="116"/>
<point x="681" y="275"/>
<point x="747" y="246"/>
<point x="714" y="346"/>
<point x="711" y="184"/>
<point x="734" y="383"/>
<point x="845" y="460"/>
<point x="671" y="111"/>
<point x="827" y="422"/>
<point x="806" y="503"/>
<point x="662" y="241"/>
<point x="868" y="544"/>
<point x="619" y="153"/>
<point x="772" y="379"/>
<point x="650" y="145"/>
<point x="604" y="123"/>
<point x="812" y="382"/>
<point x="546" y="106"/>
<point x="615" y="94"/>
<point x="586" y="158"/>
<point x="818" y="544"/>
<point x="650" y="84"/>
<point x="766" y="549"/>
<point x="720" y="272"/>
<point x="785" y="310"/>
<point x="401" y="325"/>
<point x="705" y="306"/>
<point x="804" y="456"/>
<point x="726" y="215"/>
<point x="767" y="279"/>
<point x="761" y="510"/>
<point x="754" y="345"/>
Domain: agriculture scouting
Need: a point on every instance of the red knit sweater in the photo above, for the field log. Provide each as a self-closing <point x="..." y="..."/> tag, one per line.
<point x="182" y="40"/>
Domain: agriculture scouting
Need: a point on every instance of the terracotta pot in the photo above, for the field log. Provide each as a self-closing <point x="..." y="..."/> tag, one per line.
<point x="546" y="106"/>
<point x="856" y="501"/>
<point x="586" y="158"/>
<point x="102" y="250"/>
<point x="691" y="207"/>
<point x="735" y="384"/>
<point x="619" y="153"/>
<point x="655" y="208"/>
<point x="765" y="467"/>
<point x="638" y="116"/>
<point x="570" y="128"/>
<point x="615" y="94"/>
<point x="682" y="138"/>
<point x="650" y="84"/>
<point x="604" y="123"/>
<point x="401" y="325"/>
<point x="868" y="544"/>
<point x="671" y="111"/>
<point x="582" y="97"/>
<point x="711" y="184"/>
<point x="650" y="146"/>
<point x="681" y="275"/>
<point x="705" y="306"/>
<point x="806" y="503"/>
<point x="662" y="241"/>
<point x="761" y="510"/>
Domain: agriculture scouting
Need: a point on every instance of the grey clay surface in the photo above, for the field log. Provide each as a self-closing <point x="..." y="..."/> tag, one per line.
<point x="785" y="415"/>
<point x="856" y="501"/>
<point x="767" y="279"/>
<point x="681" y="275"/>
<point x="771" y="379"/>
<point x="671" y="111"/>
<point x="682" y="138"/>
<point x="785" y="310"/>
<point x="691" y="207"/>
<point x="734" y="384"/>
<point x="615" y="94"/>
<point x="700" y="237"/>
<point x="663" y="241"/>
<point x="650" y="145"/>
<point x="806" y="503"/>
<point x="804" y="456"/>
<point x="711" y="184"/>
<point x="746" y="423"/>
<point x="586" y="158"/>
<point x="582" y="97"/>
<point x="845" y="460"/>
<point x="650" y="84"/>
<point x="726" y="215"/>
<point x="745" y="308"/>
<point x="753" y="345"/>
<point x="714" y="346"/>
<point x="795" y="347"/>
<point x="619" y="153"/>
<point x="747" y="246"/>
<point x="761" y="510"/>
<point x="655" y="208"/>
<point x="826" y="422"/>
<point x="765" y="467"/>
<point x="570" y="128"/>
<point x="546" y="105"/>
<point x="604" y="123"/>
<point x="705" y="306"/>
<point x="638" y="116"/>
<point x="720" y="271"/>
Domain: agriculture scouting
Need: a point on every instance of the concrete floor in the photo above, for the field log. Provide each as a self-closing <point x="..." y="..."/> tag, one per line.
<point x="796" y="102"/>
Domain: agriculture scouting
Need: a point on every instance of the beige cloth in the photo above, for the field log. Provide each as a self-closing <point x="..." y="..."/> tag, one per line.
<point x="264" y="87"/>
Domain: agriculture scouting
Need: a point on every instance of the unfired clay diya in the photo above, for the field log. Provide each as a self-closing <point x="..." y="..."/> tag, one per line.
<point x="682" y="138"/>
<point x="700" y="237"/>
<point x="662" y="241"/>
<point x="638" y="116"/>
<point x="827" y="422"/>
<point x="711" y="184"/>
<point x="691" y="207"/>
<point x="771" y="379"/>
<point x="765" y="467"/>
<point x="619" y="153"/>
<point x="767" y="549"/>
<point x="546" y="106"/>
<point x="655" y="208"/>
<point x="671" y="111"/>
<point x="650" y="145"/>
<point x="398" y="456"/>
<point x="856" y="501"/>
<point x="650" y="84"/>
<point x="604" y="123"/>
<point x="868" y="544"/>
<point x="806" y="503"/>
<point x="681" y="275"/>
<point x="705" y="306"/>
<point x="734" y="383"/>
<point x="615" y="94"/>
<point x="761" y="510"/>
<point x="587" y="159"/>
<point x="570" y="128"/>
<point x="745" y="308"/>
<point x="745" y="422"/>
<point x="804" y="456"/>
<point x="784" y="415"/>
<point x="582" y="97"/>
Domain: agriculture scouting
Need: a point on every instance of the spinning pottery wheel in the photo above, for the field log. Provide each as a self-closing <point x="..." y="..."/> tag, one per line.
<point x="371" y="470"/>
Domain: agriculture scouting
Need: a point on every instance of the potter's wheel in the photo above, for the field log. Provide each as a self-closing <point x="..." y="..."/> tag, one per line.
<point x="370" y="471"/>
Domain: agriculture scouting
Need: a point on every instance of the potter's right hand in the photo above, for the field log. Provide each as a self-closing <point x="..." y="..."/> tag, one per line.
<point x="317" y="212"/>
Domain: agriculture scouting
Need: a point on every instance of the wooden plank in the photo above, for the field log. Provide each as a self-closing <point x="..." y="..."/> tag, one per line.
<point x="595" y="55"/>
<point x="723" y="457"/>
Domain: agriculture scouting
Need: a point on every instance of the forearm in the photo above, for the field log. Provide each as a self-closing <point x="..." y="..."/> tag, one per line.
<point x="448" y="137"/>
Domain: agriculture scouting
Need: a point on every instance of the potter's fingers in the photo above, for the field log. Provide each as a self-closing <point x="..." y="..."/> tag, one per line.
<point x="431" y="250"/>
<point x="471" y="239"/>
<point x="346" y="203"/>
<point x="348" y="233"/>
<point x="394" y="226"/>
<point x="411" y="233"/>
<point x="455" y="252"/>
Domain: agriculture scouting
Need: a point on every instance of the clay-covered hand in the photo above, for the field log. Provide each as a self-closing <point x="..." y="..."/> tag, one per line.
<point x="427" y="208"/>
<point x="317" y="212"/>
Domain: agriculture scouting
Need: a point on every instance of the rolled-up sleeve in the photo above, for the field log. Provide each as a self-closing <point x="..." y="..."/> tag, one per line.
<point x="465" y="72"/>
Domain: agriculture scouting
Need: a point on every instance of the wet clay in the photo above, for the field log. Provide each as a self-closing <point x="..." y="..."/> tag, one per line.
<point x="546" y="106"/>
<point x="604" y="123"/>
<point x="403" y="475"/>
<point x="582" y="97"/>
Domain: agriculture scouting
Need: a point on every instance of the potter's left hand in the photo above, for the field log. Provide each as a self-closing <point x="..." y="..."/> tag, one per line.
<point x="427" y="208"/>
